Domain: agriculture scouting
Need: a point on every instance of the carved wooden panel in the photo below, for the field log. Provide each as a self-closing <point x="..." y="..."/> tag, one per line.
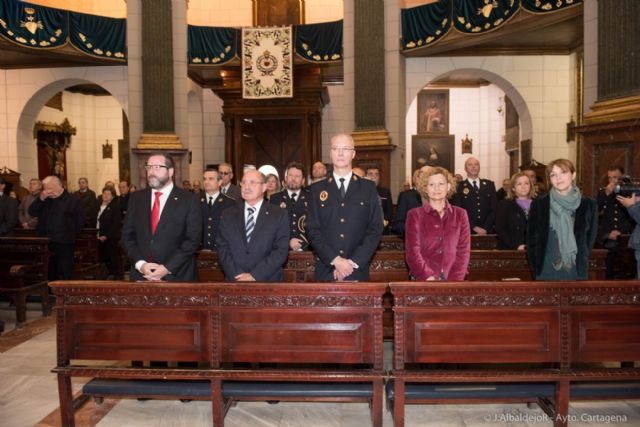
<point x="283" y="335"/>
<point x="485" y="335"/>
<point x="273" y="141"/>
<point x="606" y="155"/>
<point x="601" y="335"/>
<point x="116" y="334"/>
<point x="275" y="13"/>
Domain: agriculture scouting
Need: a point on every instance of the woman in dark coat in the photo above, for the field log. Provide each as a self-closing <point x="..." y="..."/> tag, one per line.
<point x="562" y="228"/>
<point x="512" y="213"/>
<point x="109" y="225"/>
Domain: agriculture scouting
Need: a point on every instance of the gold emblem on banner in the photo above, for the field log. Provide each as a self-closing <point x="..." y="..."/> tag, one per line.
<point x="31" y="24"/>
<point x="324" y="196"/>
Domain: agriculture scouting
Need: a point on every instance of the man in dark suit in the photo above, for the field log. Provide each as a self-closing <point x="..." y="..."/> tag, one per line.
<point x="253" y="237"/>
<point x="163" y="227"/>
<point x="478" y="197"/>
<point x="373" y="173"/>
<point x="406" y="200"/>
<point x="60" y="218"/>
<point x="213" y="203"/>
<point x="345" y="221"/>
<point x="8" y="211"/>
<point x="123" y="187"/>
<point x="615" y="220"/>
<point x="89" y="202"/>
<point x="227" y="187"/>
<point x="294" y="198"/>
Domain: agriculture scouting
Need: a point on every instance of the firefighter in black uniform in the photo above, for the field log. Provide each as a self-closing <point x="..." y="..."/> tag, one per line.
<point x="294" y="198"/>
<point x="615" y="220"/>
<point x="478" y="197"/>
<point x="213" y="203"/>
<point x="345" y="221"/>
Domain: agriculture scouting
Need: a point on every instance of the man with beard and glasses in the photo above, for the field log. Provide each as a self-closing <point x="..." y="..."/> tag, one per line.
<point x="294" y="198"/>
<point x="163" y="227"/>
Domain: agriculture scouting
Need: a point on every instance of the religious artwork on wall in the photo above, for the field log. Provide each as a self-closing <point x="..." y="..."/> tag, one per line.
<point x="53" y="141"/>
<point x="433" y="111"/>
<point x="467" y="145"/>
<point x="433" y="151"/>
<point x="267" y="63"/>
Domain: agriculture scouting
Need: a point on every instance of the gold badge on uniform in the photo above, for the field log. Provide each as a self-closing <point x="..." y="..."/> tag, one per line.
<point x="465" y="191"/>
<point x="283" y="205"/>
<point x="324" y="196"/>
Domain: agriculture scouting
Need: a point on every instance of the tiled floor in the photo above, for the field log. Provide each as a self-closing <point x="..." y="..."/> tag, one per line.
<point x="29" y="396"/>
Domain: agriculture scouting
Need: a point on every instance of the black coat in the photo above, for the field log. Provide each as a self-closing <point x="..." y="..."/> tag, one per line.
<point x="211" y="216"/>
<point x="177" y="237"/>
<point x="90" y="204"/>
<point x="387" y="206"/>
<point x="480" y="204"/>
<point x="407" y="200"/>
<point x="511" y="224"/>
<point x="110" y="221"/>
<point x="60" y="219"/>
<point x="585" y="230"/>
<point x="265" y="254"/>
<point x="297" y="213"/>
<point x="350" y="228"/>
<point x="8" y="215"/>
<point x="614" y="216"/>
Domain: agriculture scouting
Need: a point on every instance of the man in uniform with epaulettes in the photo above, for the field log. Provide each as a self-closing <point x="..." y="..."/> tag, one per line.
<point x="294" y="198"/>
<point x="213" y="203"/>
<point x="478" y="197"/>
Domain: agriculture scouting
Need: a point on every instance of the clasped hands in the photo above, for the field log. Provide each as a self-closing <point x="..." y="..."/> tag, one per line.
<point x="343" y="268"/>
<point x="153" y="272"/>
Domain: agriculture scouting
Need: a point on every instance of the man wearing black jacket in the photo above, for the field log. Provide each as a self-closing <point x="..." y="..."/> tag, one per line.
<point x="60" y="218"/>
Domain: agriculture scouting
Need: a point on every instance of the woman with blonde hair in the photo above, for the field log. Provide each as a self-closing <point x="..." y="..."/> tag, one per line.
<point x="273" y="186"/>
<point x="562" y="227"/>
<point x="438" y="237"/>
<point x="512" y="213"/>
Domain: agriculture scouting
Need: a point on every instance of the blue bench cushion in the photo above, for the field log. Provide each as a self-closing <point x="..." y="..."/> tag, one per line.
<point x="473" y="391"/>
<point x="604" y="389"/>
<point x="230" y="389"/>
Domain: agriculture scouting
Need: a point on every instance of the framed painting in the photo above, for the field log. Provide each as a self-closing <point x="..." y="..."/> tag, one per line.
<point x="433" y="111"/>
<point x="433" y="151"/>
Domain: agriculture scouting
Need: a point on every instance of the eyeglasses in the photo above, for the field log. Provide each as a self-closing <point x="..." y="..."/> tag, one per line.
<point x="342" y="149"/>
<point x="225" y="173"/>
<point x="155" y="167"/>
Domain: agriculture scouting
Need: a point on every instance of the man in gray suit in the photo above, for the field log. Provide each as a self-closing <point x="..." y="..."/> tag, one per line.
<point x="226" y="187"/>
<point x="253" y="237"/>
<point x="163" y="227"/>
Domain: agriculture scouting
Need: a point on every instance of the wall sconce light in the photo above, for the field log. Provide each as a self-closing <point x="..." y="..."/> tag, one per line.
<point x="501" y="106"/>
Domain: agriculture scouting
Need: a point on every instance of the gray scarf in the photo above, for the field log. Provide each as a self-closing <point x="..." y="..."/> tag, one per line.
<point x="561" y="220"/>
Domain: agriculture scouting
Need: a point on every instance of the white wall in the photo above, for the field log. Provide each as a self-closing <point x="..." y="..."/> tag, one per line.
<point x="539" y="86"/>
<point x="213" y="128"/>
<point x="97" y="119"/>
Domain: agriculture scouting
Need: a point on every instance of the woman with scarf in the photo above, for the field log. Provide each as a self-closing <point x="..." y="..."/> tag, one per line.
<point x="512" y="213"/>
<point x="562" y="227"/>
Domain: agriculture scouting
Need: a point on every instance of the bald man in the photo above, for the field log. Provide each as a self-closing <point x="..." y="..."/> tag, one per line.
<point x="60" y="218"/>
<point x="478" y="197"/>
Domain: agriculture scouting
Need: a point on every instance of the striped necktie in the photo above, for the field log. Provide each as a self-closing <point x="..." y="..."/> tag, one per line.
<point x="251" y="223"/>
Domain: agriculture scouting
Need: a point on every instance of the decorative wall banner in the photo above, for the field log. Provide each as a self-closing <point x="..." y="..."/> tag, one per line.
<point x="267" y="63"/>
<point x="426" y="24"/>
<point x="319" y="42"/>
<point x="212" y="45"/>
<point x="32" y="25"/>
<point x="98" y="35"/>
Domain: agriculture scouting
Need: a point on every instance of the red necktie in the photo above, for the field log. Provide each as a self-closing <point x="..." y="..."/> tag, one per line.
<point x="155" y="212"/>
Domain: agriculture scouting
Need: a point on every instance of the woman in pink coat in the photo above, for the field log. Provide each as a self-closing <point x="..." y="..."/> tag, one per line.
<point x="438" y="238"/>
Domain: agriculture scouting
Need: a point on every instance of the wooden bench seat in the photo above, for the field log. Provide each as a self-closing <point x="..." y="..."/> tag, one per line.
<point x="527" y="336"/>
<point x="252" y="341"/>
<point x="24" y="262"/>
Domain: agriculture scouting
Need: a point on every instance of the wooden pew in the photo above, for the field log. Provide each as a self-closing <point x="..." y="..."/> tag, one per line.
<point x="24" y="262"/>
<point x="308" y="330"/>
<point x="522" y="341"/>
<point x="86" y="262"/>
<point x="389" y="266"/>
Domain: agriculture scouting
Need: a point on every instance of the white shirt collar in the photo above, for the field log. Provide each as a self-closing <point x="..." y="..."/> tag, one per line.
<point x="214" y="195"/>
<point x="347" y="179"/>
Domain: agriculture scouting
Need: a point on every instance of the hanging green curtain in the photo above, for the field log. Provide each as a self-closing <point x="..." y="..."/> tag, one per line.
<point x="477" y="16"/>
<point x="319" y="42"/>
<point x="212" y="45"/>
<point x="544" y="6"/>
<point x="423" y="25"/>
<point x="32" y="25"/>
<point x="98" y="35"/>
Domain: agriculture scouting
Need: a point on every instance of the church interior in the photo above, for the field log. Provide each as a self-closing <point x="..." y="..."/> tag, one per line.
<point x="88" y="89"/>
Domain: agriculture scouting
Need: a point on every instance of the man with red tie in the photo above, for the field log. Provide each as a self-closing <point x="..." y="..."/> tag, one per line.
<point x="163" y="226"/>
